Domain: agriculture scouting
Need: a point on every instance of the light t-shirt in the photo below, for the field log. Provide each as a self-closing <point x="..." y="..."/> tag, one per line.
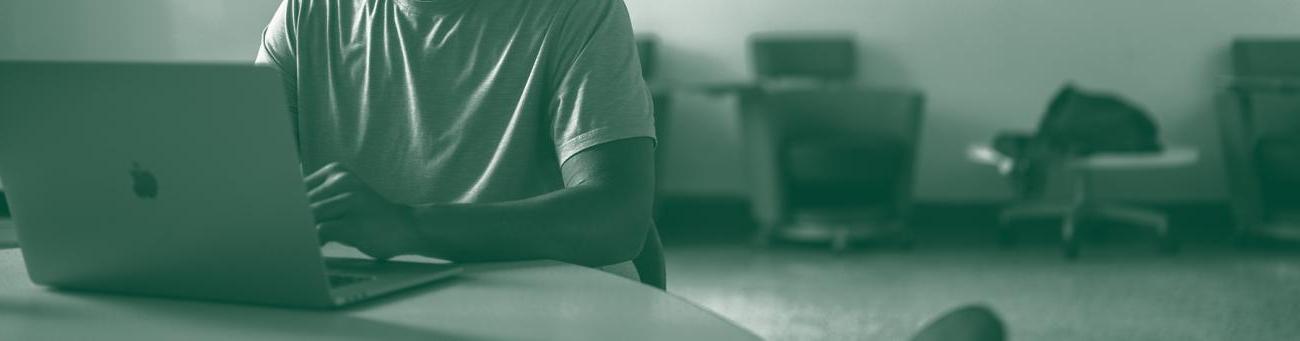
<point x="457" y="101"/>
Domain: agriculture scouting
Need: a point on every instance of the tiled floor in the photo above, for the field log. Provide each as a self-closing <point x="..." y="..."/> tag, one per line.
<point x="1117" y="291"/>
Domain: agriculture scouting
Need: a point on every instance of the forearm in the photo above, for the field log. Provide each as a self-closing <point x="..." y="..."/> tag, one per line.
<point x="586" y="225"/>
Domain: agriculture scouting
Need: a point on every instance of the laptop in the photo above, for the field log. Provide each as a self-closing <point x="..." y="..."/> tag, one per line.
<point x="174" y="180"/>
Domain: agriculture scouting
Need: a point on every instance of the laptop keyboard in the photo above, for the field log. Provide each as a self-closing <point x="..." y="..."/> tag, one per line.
<point x="341" y="280"/>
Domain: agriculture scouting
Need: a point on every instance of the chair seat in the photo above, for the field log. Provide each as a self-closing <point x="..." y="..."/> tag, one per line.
<point x="1169" y="158"/>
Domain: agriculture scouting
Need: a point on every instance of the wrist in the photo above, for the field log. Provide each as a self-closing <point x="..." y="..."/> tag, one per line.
<point x="411" y="240"/>
<point x="430" y="241"/>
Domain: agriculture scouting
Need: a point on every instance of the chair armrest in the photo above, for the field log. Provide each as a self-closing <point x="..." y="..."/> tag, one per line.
<point x="986" y="155"/>
<point x="720" y="88"/>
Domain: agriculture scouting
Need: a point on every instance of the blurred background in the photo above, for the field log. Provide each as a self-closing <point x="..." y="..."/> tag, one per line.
<point x="832" y="169"/>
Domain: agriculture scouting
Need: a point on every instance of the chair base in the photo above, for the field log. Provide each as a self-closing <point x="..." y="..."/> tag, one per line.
<point x="1284" y="231"/>
<point x="838" y="228"/>
<point x="1073" y="214"/>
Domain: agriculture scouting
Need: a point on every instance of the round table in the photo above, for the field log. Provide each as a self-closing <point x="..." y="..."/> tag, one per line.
<point x="538" y="300"/>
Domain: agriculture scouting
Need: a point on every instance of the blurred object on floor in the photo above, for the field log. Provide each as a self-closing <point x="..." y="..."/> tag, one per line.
<point x="969" y="323"/>
<point x="1081" y="133"/>
<point x="829" y="160"/>
<point x="1260" y="126"/>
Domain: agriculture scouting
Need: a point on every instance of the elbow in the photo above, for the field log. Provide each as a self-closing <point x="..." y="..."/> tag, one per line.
<point x="624" y="242"/>
<point x="612" y="225"/>
<point x="632" y="242"/>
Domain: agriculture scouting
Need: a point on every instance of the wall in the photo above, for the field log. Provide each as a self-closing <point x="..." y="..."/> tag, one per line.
<point x="133" y="30"/>
<point x="985" y="65"/>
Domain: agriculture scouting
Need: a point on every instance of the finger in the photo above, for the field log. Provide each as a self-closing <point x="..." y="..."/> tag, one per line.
<point x="332" y="208"/>
<point x="320" y="175"/>
<point x="317" y="176"/>
<point x="335" y="184"/>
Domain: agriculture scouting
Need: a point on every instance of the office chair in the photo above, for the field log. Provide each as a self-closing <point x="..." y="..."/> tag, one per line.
<point x="4" y="204"/>
<point x="828" y="160"/>
<point x="1082" y="204"/>
<point x="661" y="95"/>
<point x="1260" y="132"/>
<point x="1080" y="134"/>
<point x="649" y="264"/>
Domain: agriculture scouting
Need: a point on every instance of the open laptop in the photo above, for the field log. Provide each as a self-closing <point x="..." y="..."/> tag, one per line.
<point x="170" y="180"/>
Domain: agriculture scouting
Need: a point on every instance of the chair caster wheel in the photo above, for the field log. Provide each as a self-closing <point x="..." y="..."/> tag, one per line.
<point x="762" y="239"/>
<point x="907" y="244"/>
<point x="1071" y="251"/>
<point x="1168" y="246"/>
<point x="1006" y="239"/>
<point x="1243" y="242"/>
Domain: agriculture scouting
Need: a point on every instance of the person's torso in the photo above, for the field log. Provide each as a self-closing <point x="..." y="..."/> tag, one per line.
<point x="431" y="102"/>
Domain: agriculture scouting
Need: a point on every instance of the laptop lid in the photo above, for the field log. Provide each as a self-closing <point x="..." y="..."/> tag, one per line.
<point x="161" y="179"/>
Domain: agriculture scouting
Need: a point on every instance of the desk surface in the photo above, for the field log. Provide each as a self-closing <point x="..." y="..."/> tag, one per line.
<point x="510" y="301"/>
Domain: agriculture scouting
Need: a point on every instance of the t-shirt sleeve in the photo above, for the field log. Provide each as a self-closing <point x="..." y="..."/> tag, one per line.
<point x="279" y="40"/>
<point x="279" y="50"/>
<point x="601" y="96"/>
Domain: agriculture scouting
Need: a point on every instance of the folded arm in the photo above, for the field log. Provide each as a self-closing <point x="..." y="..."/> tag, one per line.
<point x="601" y="217"/>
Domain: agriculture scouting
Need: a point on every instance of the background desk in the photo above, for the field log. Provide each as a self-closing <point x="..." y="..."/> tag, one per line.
<point x="511" y="301"/>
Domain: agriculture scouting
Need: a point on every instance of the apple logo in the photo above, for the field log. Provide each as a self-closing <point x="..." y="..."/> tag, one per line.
<point x="143" y="182"/>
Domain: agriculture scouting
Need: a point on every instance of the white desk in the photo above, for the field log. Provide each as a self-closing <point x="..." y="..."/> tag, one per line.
<point x="540" y="300"/>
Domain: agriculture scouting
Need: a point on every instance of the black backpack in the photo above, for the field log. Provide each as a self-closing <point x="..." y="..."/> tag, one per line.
<point x="1078" y="122"/>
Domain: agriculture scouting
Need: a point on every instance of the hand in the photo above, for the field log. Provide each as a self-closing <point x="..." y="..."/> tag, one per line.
<point x="349" y="212"/>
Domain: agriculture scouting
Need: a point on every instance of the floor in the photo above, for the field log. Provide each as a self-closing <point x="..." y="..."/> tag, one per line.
<point x="1120" y="290"/>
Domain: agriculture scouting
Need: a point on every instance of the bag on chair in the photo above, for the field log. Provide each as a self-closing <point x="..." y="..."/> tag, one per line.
<point x="1077" y="123"/>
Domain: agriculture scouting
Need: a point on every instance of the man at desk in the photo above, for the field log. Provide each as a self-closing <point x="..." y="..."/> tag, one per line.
<point x="480" y="131"/>
<point x="473" y="130"/>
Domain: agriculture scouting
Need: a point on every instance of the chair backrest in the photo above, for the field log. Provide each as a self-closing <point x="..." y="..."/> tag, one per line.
<point x="824" y="57"/>
<point x="650" y="263"/>
<point x="647" y="48"/>
<point x="1258" y="63"/>
<point x="1266" y="57"/>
